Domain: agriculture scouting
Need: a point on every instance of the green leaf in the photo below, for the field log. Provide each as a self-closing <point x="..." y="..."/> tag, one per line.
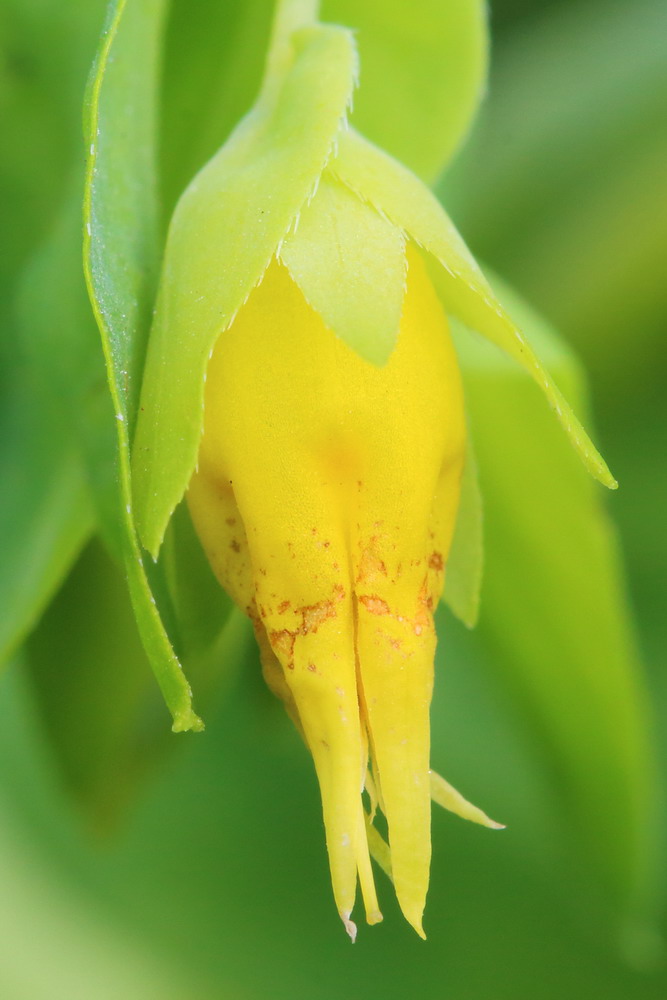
<point x="201" y="607"/>
<point x="561" y="184"/>
<point x="463" y="289"/>
<point x="103" y="714"/>
<point x="120" y="262"/>
<point x="45" y="511"/>
<point x="226" y="228"/>
<point x="350" y="264"/>
<point x="44" y="58"/>
<point x="463" y="579"/>
<point x="62" y="346"/>
<point x="554" y="610"/>
<point x="100" y="708"/>
<point x="213" y="63"/>
<point x="423" y="73"/>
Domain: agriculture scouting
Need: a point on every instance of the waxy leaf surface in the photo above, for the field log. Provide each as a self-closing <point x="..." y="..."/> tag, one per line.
<point x="120" y="260"/>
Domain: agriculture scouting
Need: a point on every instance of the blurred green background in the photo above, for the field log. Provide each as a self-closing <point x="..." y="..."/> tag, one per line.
<point x="206" y="875"/>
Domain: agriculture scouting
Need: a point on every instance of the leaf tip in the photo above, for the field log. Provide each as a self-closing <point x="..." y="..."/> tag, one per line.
<point x="187" y="721"/>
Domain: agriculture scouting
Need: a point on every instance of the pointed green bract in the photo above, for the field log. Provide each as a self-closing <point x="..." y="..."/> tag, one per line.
<point x="463" y="288"/>
<point x="349" y="262"/>
<point x="423" y="74"/>
<point x="119" y="259"/>
<point x="446" y="796"/>
<point x="225" y="230"/>
<point x="463" y="578"/>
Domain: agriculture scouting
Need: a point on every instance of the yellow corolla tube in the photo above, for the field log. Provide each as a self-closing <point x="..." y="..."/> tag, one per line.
<point x="325" y="497"/>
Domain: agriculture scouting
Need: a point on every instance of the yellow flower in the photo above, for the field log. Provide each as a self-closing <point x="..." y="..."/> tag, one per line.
<point x="325" y="498"/>
<point x="297" y="323"/>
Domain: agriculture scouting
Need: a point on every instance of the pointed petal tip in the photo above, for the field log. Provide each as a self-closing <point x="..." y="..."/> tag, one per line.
<point x="348" y="924"/>
<point x="420" y="930"/>
<point x="414" y="915"/>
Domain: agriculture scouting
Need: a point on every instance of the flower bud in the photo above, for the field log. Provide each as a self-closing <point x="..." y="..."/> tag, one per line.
<point x="302" y="387"/>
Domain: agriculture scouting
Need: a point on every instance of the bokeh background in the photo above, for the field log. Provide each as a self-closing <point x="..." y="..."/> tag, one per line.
<point x="199" y="870"/>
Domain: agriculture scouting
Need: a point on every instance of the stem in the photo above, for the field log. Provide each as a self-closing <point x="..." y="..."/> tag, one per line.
<point x="289" y="15"/>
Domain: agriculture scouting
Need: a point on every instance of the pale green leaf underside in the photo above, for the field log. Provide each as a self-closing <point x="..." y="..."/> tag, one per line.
<point x="423" y="73"/>
<point x="463" y="289"/>
<point x="225" y="230"/>
<point x="463" y="579"/>
<point x="349" y="262"/>
<point x="119" y="216"/>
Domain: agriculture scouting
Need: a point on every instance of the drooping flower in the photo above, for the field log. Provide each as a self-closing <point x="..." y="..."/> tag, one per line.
<point x="302" y="386"/>
<point x="326" y="497"/>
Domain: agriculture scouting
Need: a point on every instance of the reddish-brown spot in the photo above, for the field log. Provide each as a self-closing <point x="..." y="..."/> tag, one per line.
<point x="326" y="544"/>
<point x="282" y="607"/>
<point x="424" y="617"/>
<point x="312" y="668"/>
<point x="282" y="642"/>
<point x="435" y="562"/>
<point x="231" y="521"/>
<point x="234" y="545"/>
<point x="371" y="565"/>
<point x="314" y="614"/>
<point x="374" y="604"/>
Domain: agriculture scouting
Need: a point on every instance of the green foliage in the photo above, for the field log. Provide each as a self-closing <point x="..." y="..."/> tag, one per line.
<point x="45" y="515"/>
<point x="541" y="712"/>
<point x="423" y="73"/>
<point x="114" y="723"/>
<point x="120" y="250"/>
<point x="551" y="597"/>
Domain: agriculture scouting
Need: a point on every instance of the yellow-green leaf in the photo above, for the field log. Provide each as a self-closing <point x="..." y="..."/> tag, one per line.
<point x="120" y="216"/>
